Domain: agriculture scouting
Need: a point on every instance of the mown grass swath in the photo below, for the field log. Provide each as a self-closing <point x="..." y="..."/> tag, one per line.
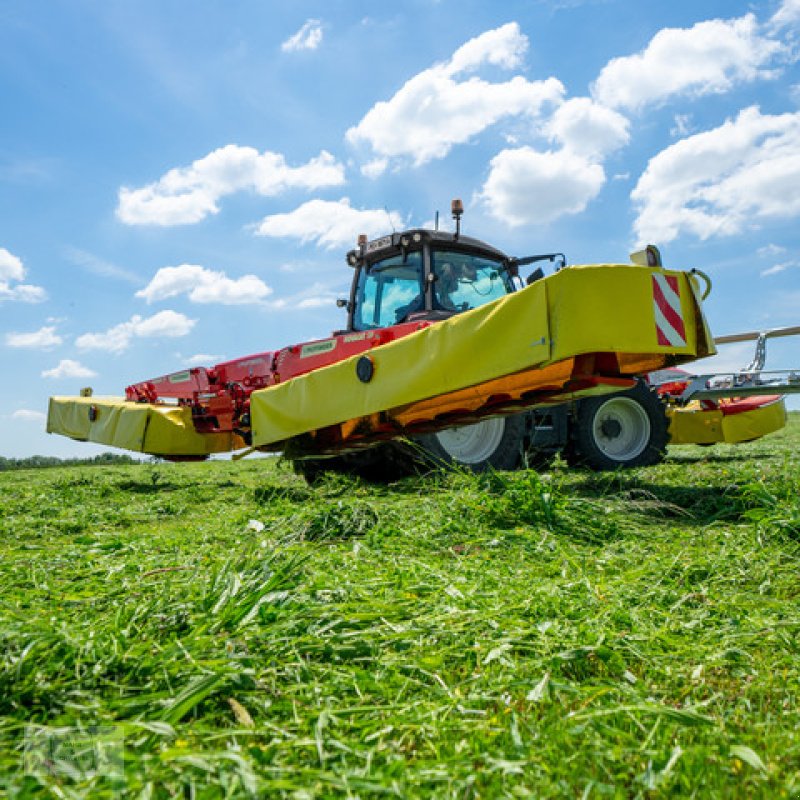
<point x="513" y="634"/>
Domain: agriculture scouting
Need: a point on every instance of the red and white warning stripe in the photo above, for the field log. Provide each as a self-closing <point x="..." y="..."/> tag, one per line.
<point x="670" y="329"/>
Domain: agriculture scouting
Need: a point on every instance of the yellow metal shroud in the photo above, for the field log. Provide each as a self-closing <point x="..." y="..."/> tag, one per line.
<point x="159" y="430"/>
<point x="696" y="425"/>
<point x="525" y="347"/>
<point x="527" y="335"/>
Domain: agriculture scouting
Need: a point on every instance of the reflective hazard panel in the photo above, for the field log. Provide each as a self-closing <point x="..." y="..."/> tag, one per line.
<point x="670" y="329"/>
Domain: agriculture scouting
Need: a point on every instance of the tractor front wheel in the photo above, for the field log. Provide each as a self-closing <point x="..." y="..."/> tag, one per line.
<point x="628" y="429"/>
<point x="494" y="443"/>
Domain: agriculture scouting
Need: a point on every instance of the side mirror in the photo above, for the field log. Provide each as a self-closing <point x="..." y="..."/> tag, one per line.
<point x="536" y="275"/>
<point x="341" y="302"/>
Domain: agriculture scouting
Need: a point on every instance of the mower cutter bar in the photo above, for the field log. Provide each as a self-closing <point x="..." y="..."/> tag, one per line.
<point x="737" y="384"/>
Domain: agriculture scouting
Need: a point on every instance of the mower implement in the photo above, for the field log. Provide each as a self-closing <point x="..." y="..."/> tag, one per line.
<point x="729" y="407"/>
<point x="581" y="331"/>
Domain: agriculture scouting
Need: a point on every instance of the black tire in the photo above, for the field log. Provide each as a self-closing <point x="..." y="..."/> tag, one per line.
<point x="492" y="443"/>
<point x="380" y="464"/>
<point x="626" y="429"/>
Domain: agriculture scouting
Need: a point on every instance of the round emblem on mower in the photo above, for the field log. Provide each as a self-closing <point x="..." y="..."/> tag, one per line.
<point x="365" y="368"/>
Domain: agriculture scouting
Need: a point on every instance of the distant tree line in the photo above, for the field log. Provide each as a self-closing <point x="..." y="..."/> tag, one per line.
<point x="43" y="462"/>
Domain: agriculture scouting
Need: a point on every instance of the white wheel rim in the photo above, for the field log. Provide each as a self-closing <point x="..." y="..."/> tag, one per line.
<point x="473" y="444"/>
<point x="621" y="429"/>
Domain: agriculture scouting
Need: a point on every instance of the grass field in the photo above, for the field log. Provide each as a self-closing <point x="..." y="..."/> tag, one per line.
<point x="514" y="635"/>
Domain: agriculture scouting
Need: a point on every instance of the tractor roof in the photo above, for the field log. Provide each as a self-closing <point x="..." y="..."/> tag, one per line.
<point x="414" y="238"/>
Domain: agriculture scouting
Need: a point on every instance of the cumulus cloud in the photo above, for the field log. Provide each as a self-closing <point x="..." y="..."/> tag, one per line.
<point x="164" y="324"/>
<point x="22" y="292"/>
<point x="444" y="106"/>
<point x="787" y="14"/>
<point x="329" y="223"/>
<point x="186" y="195"/>
<point x="203" y="285"/>
<point x="527" y="187"/>
<point x="309" y="37"/>
<point x="722" y="181"/>
<point x="28" y="415"/>
<point x="11" y="271"/>
<point x="67" y="368"/>
<point x="42" y="339"/>
<point x="11" y="268"/>
<point x="710" y="57"/>
<point x="375" y="168"/>
<point x="588" y="128"/>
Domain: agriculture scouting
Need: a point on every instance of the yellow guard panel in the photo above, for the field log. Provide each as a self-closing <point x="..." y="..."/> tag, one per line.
<point x="143" y="428"/>
<point x="602" y="308"/>
<point x="695" y="425"/>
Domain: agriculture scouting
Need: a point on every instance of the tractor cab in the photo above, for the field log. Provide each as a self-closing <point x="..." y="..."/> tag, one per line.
<point x="427" y="275"/>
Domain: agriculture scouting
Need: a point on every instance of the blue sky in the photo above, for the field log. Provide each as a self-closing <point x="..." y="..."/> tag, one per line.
<point x="179" y="181"/>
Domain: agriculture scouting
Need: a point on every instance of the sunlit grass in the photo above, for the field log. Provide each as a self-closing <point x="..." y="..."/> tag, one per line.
<point x="517" y="634"/>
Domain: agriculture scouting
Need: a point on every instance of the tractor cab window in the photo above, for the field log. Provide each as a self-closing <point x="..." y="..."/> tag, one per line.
<point x="388" y="291"/>
<point x="465" y="281"/>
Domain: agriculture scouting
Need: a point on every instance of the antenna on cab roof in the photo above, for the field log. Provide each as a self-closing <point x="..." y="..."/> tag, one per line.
<point x="457" y="207"/>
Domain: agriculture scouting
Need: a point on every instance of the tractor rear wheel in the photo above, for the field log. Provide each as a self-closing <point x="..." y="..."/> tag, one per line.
<point x="627" y="429"/>
<point x="494" y="443"/>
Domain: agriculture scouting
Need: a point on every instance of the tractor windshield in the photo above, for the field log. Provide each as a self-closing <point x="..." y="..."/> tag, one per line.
<point x="388" y="291"/>
<point x="465" y="281"/>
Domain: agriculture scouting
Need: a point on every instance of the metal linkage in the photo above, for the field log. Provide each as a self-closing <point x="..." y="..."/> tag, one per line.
<point x="752" y="381"/>
<point x="739" y="384"/>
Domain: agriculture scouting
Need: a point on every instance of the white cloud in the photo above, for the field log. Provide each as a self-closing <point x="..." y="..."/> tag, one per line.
<point x="782" y="267"/>
<point x="11" y="270"/>
<point x="203" y="285"/>
<point x="203" y="360"/>
<point x="186" y="195"/>
<point x="771" y="250"/>
<point x="683" y="125"/>
<point x="710" y="57"/>
<point x="729" y="358"/>
<point x="309" y="37"/>
<point x="316" y="302"/>
<point x="98" y="266"/>
<point x="375" y="168"/>
<point x="28" y="415"/>
<point x="588" y="128"/>
<point x="23" y="292"/>
<point x="316" y="295"/>
<point x="167" y="324"/>
<point x="433" y="111"/>
<point x="722" y="181"/>
<point x="329" y="223"/>
<point x="67" y="368"/>
<point x="39" y="340"/>
<point x="526" y="187"/>
<point x="786" y="15"/>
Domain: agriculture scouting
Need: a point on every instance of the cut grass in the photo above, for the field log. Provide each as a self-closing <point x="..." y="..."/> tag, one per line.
<point x="558" y="635"/>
